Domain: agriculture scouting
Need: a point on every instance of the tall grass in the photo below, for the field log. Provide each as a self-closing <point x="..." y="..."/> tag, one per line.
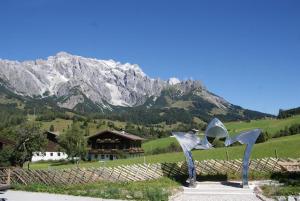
<point x="152" y="190"/>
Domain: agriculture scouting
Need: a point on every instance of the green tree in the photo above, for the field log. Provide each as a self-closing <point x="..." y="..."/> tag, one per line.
<point x="110" y="124"/>
<point x="51" y="128"/>
<point x="6" y="156"/>
<point x="73" y="142"/>
<point x="87" y="131"/>
<point x="30" y="139"/>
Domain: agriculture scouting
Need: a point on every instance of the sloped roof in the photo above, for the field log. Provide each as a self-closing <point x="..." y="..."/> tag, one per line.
<point x="119" y="133"/>
<point x="53" y="133"/>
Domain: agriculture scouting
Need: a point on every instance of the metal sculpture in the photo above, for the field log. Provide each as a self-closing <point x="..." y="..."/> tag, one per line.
<point x="187" y="142"/>
<point x="249" y="138"/>
<point x="216" y="129"/>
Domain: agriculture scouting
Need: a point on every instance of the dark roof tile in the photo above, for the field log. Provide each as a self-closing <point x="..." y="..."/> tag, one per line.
<point x="119" y="133"/>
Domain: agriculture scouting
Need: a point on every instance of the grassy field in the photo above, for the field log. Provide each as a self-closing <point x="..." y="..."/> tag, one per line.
<point x="285" y="146"/>
<point x="152" y="190"/>
<point x="269" y="125"/>
<point x="158" y="143"/>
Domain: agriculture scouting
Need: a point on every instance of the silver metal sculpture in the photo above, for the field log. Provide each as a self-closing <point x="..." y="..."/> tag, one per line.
<point x="188" y="142"/>
<point x="216" y="129"/>
<point x="249" y="138"/>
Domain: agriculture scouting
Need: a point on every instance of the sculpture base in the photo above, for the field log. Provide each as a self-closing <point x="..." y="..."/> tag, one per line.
<point x="192" y="183"/>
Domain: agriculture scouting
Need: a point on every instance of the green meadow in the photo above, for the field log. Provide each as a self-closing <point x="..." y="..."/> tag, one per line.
<point x="288" y="146"/>
<point x="268" y="125"/>
<point x="285" y="147"/>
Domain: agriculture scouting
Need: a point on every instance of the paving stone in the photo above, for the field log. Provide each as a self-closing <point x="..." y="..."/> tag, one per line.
<point x="33" y="196"/>
<point x="217" y="191"/>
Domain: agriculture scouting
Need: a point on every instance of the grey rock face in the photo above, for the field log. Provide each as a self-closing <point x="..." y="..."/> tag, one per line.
<point x="99" y="80"/>
<point x="71" y="101"/>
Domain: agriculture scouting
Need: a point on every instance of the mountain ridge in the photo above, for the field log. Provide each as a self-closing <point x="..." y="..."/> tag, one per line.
<point x="107" y="86"/>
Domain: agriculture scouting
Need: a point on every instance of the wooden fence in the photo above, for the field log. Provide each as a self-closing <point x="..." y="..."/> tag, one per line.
<point x="5" y="178"/>
<point x="138" y="172"/>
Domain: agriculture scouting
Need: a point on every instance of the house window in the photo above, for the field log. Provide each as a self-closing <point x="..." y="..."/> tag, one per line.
<point x="51" y="154"/>
<point x="96" y="156"/>
<point x="102" y="156"/>
<point x="58" y="154"/>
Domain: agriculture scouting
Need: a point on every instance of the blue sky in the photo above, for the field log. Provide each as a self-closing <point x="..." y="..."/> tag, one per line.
<point x="245" y="51"/>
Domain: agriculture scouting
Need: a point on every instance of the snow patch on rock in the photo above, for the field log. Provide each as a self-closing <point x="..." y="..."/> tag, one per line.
<point x="173" y="81"/>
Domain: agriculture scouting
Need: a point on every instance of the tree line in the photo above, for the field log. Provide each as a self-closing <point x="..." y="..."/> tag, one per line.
<point x="288" y="113"/>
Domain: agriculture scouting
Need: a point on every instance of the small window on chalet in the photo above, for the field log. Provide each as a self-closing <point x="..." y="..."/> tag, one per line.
<point x="102" y="156"/>
<point x="51" y="154"/>
<point x="58" y="154"/>
<point x="96" y="156"/>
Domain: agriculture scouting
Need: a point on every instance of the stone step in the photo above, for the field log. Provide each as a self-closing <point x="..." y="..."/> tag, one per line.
<point x="218" y="188"/>
<point x="228" y="197"/>
<point x="219" y="193"/>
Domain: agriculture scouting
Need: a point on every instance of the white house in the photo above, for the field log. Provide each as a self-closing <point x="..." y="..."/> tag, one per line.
<point x="53" y="150"/>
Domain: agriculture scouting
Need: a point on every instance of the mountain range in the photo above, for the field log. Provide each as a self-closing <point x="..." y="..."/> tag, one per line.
<point x="88" y="85"/>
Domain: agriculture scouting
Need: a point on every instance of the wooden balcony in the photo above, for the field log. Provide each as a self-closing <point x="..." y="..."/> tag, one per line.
<point x="116" y="151"/>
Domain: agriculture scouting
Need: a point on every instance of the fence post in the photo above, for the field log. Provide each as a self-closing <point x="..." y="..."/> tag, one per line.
<point x="227" y="156"/>
<point x="8" y="176"/>
<point x="276" y="155"/>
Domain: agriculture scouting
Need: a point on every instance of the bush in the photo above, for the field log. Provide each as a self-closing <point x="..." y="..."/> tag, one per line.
<point x="218" y="143"/>
<point x="292" y="130"/>
<point x="154" y="194"/>
<point x="263" y="137"/>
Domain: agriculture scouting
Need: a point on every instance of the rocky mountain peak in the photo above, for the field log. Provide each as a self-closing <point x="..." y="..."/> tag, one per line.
<point x="120" y="84"/>
<point x="101" y="81"/>
<point x="63" y="54"/>
<point x="173" y="81"/>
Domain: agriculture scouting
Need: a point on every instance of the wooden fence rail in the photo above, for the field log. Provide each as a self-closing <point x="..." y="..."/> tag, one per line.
<point x="136" y="172"/>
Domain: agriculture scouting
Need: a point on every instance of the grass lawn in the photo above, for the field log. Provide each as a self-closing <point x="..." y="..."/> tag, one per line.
<point x="269" y="125"/>
<point x="59" y="124"/>
<point x="285" y="146"/>
<point x="158" y="143"/>
<point x="152" y="190"/>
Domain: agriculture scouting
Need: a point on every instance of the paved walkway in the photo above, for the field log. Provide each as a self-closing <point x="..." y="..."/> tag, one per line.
<point x="217" y="191"/>
<point x="208" y="191"/>
<point x="31" y="196"/>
